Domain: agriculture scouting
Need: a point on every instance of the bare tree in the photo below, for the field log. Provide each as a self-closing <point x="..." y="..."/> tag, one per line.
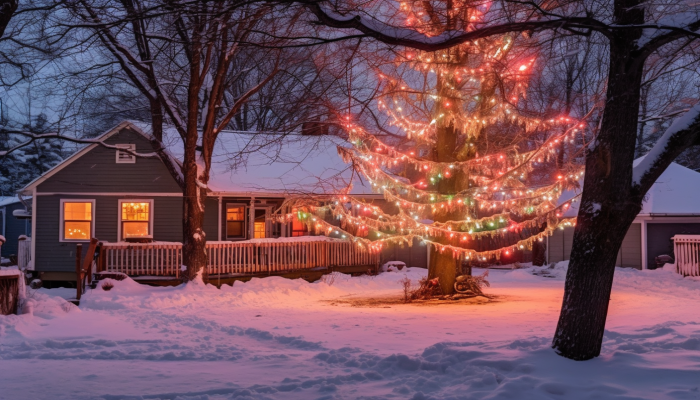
<point x="182" y="57"/>
<point x="614" y="189"/>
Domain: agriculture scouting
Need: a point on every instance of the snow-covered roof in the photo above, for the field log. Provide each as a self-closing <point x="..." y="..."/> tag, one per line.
<point x="245" y="163"/>
<point x="4" y="201"/>
<point x="249" y="164"/>
<point x="676" y="192"/>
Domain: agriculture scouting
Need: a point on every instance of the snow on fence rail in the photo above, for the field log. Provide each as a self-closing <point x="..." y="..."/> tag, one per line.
<point x="237" y="258"/>
<point x="687" y="251"/>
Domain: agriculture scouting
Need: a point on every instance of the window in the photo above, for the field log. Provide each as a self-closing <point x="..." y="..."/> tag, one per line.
<point x="259" y="230"/>
<point x="260" y="225"/>
<point x="235" y="221"/>
<point x="77" y="217"/>
<point x="135" y="219"/>
<point x="124" y="157"/>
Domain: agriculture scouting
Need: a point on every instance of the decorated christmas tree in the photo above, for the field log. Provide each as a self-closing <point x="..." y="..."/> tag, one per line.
<point x="475" y="175"/>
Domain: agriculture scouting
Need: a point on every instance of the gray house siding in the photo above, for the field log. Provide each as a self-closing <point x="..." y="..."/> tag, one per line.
<point x="211" y="218"/>
<point x="413" y="256"/>
<point x="53" y="255"/>
<point x="13" y="228"/>
<point x="630" y="254"/>
<point x="659" y="238"/>
<point x="98" y="171"/>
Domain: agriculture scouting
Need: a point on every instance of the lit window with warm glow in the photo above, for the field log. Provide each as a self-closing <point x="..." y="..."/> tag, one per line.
<point x="136" y="219"/>
<point x="259" y="230"/>
<point x="77" y="220"/>
<point x="235" y="221"/>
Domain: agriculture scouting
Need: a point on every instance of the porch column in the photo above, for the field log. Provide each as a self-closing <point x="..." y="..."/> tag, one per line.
<point x="283" y="224"/>
<point x="644" y="245"/>
<point x="251" y="219"/>
<point x="220" y="218"/>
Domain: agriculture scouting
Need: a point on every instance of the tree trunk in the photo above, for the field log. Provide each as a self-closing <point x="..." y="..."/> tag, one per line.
<point x="443" y="265"/>
<point x="194" y="255"/>
<point x="579" y="334"/>
<point x="539" y="253"/>
<point x="608" y="203"/>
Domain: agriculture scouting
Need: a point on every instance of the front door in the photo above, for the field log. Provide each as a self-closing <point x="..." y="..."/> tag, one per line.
<point x="260" y="227"/>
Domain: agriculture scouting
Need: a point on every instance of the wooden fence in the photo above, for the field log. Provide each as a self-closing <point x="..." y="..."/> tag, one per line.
<point x="687" y="251"/>
<point x="24" y="252"/>
<point x="236" y="258"/>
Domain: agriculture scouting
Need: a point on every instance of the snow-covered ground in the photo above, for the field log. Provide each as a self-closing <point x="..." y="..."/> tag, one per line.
<point x="289" y="339"/>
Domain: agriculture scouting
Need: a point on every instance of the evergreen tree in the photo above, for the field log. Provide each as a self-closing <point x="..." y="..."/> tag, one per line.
<point x="480" y="177"/>
<point x="29" y="161"/>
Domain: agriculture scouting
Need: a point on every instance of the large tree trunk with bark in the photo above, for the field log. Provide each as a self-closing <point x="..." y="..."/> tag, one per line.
<point x="443" y="266"/>
<point x="194" y="256"/>
<point x="609" y="202"/>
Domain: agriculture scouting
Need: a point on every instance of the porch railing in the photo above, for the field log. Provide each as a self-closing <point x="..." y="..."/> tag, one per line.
<point x="687" y="251"/>
<point x="24" y="252"/>
<point x="237" y="258"/>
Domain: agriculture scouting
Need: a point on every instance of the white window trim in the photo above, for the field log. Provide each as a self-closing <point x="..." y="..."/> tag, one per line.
<point x="61" y="226"/>
<point x="151" y="215"/>
<point x="129" y="146"/>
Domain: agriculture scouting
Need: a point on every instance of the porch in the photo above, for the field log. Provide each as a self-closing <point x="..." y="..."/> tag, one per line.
<point x="227" y="261"/>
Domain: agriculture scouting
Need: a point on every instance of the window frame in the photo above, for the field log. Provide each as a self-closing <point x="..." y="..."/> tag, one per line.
<point x="245" y="221"/>
<point x="62" y="221"/>
<point x="128" y="146"/>
<point x="120" y="221"/>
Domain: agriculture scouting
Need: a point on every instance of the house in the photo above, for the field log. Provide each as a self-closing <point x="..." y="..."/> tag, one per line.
<point x="114" y="196"/>
<point x="13" y="224"/>
<point x="671" y="207"/>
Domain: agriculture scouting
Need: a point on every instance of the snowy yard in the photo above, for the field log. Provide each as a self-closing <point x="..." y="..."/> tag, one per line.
<point x="289" y="339"/>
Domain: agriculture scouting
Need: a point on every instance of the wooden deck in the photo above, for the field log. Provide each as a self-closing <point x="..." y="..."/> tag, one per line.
<point x="227" y="279"/>
<point x="303" y="257"/>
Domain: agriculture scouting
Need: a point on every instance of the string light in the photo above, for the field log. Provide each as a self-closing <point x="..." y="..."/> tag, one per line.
<point x="474" y="89"/>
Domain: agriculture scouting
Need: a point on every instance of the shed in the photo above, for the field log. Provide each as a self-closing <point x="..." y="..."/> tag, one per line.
<point x="11" y="227"/>
<point x="671" y="207"/>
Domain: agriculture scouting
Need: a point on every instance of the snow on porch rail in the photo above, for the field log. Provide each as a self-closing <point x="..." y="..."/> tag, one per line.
<point x="238" y="258"/>
<point x="687" y="251"/>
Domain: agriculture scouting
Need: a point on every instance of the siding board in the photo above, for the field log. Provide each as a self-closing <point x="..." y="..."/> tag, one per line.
<point x="659" y="238"/>
<point x="14" y="227"/>
<point x="97" y="171"/>
<point x="52" y="255"/>
<point x="630" y="254"/>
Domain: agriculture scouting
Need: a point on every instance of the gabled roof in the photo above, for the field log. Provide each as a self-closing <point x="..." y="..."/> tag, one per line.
<point x="676" y="192"/>
<point x="250" y="164"/>
<point x="106" y="135"/>
<point x="274" y="164"/>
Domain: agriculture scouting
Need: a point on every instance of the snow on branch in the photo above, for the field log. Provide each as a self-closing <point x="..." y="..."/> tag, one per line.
<point x="38" y="136"/>
<point x="683" y="133"/>
<point x="409" y="37"/>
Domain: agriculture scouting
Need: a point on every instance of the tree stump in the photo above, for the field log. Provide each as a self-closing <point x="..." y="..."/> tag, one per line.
<point x="9" y="294"/>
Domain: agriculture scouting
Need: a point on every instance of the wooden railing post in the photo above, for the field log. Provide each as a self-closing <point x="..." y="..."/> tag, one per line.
<point x="78" y="272"/>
